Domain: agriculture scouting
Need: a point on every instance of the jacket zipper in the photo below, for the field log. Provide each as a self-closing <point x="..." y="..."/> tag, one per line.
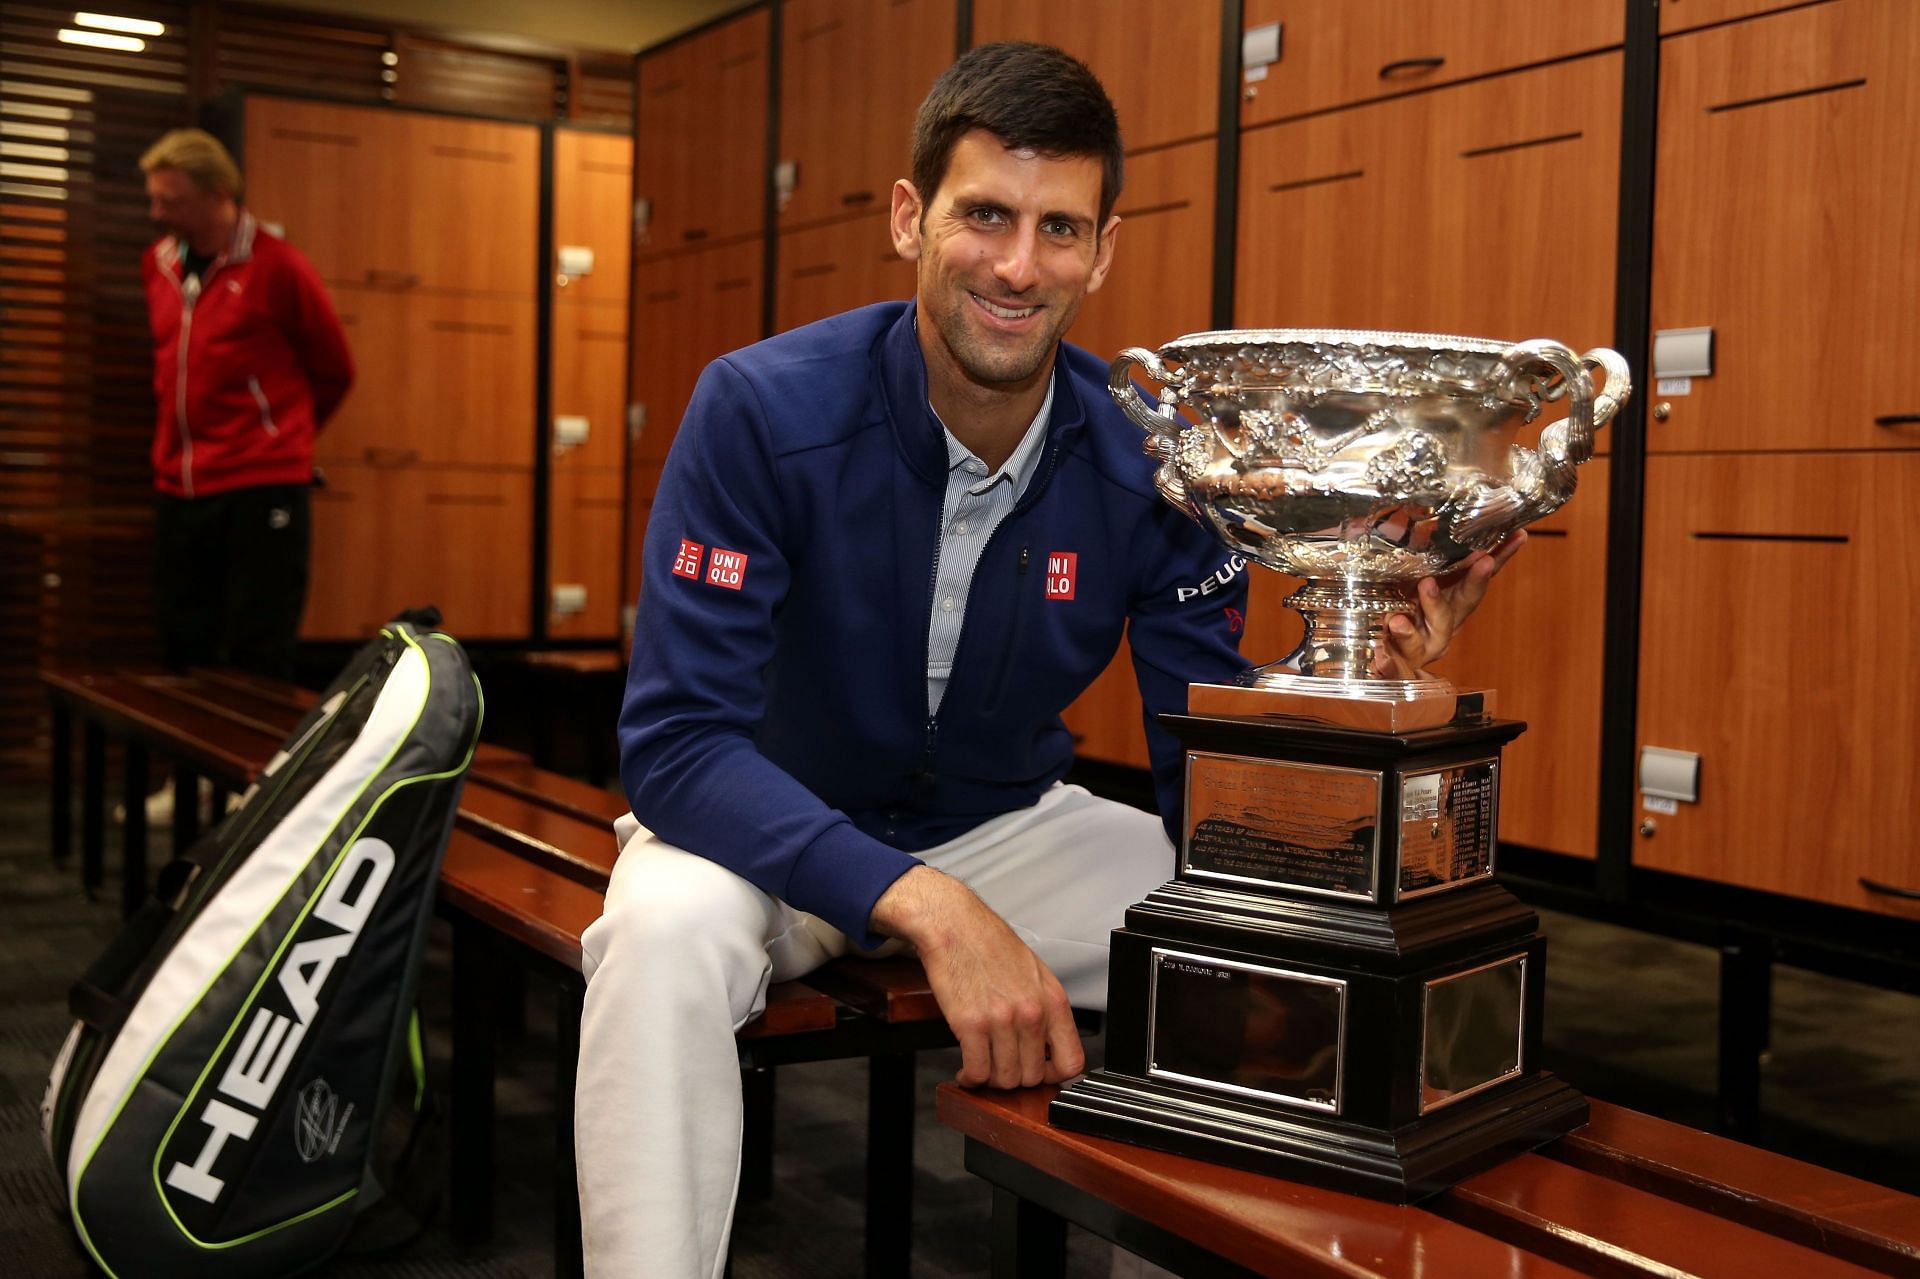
<point x="1034" y="488"/>
<point x="266" y="410"/>
<point x="189" y="293"/>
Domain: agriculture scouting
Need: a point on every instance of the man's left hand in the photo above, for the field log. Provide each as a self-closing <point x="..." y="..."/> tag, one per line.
<point x="1413" y="642"/>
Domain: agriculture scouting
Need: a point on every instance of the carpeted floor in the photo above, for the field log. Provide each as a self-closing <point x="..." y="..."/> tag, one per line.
<point x="1631" y="1018"/>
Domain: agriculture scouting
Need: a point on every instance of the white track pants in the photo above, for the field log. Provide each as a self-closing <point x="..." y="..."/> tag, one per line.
<point x="683" y="956"/>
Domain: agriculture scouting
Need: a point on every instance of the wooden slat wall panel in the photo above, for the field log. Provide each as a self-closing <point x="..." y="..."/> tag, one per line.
<point x="602" y="93"/>
<point x="288" y="53"/>
<point x="76" y="405"/>
<point x="433" y="73"/>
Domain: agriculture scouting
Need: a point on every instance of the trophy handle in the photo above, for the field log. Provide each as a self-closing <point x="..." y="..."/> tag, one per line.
<point x="1160" y="424"/>
<point x="1544" y="480"/>
<point x="1571" y="441"/>
<point x="1157" y="423"/>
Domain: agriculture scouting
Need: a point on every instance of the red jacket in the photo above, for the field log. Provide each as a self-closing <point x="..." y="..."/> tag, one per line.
<point x="248" y="363"/>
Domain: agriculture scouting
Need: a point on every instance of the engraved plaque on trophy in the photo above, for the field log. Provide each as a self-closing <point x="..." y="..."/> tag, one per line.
<point x="1333" y="987"/>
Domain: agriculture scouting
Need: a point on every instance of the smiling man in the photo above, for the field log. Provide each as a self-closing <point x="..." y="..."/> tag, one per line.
<point x="887" y="550"/>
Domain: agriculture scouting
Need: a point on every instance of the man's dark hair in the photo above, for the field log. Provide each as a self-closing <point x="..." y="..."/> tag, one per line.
<point x="1031" y="97"/>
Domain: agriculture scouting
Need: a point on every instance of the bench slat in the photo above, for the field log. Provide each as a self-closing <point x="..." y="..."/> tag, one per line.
<point x="1869" y="1224"/>
<point x="1585" y="1219"/>
<point x="892" y="990"/>
<point x="793" y="1008"/>
<point x="1263" y="1223"/>
<point x="542" y="910"/>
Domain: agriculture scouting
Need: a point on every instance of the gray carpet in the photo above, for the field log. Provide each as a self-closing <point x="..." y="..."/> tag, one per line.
<point x="1630" y="1018"/>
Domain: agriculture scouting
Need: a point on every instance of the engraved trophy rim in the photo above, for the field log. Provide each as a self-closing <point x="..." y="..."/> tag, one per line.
<point x="1209" y="339"/>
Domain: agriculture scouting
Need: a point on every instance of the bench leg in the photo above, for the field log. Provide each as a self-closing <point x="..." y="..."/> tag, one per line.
<point x="889" y="1165"/>
<point x="1029" y="1242"/>
<point x="471" y="1139"/>
<point x="186" y="808"/>
<point x="62" y="783"/>
<point x="1746" y="1005"/>
<point x="756" y="1137"/>
<point x="568" y="1262"/>
<point x="93" y="807"/>
<point x="133" y="868"/>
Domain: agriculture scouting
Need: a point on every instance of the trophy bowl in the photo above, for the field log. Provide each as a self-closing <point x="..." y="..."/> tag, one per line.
<point x="1362" y="462"/>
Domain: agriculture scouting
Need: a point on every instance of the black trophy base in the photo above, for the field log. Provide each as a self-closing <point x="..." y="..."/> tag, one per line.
<point x="1401" y="1166"/>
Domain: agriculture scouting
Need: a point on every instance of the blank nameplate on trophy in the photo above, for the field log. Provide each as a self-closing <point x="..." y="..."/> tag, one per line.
<point x="1472" y="1031"/>
<point x="1447" y="826"/>
<point x="1263" y="1032"/>
<point x="1303" y="826"/>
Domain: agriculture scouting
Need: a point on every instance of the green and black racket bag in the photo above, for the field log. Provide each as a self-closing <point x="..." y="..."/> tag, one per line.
<point x="214" y="1111"/>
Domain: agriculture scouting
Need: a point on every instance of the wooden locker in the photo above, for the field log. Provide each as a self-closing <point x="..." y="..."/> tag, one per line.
<point x="1774" y="644"/>
<point x="1537" y="641"/>
<point x="700" y="155"/>
<point x="584" y="511"/>
<point x="825" y="270"/>
<point x="1159" y="59"/>
<point x="349" y="591"/>
<point x="332" y="181"/>
<point x="440" y="379"/>
<point x="1686" y="15"/>
<point x="688" y="310"/>
<point x="473" y="205"/>
<point x="1338" y="52"/>
<point x="1809" y="276"/>
<point x="1485" y="209"/>
<point x="852" y="74"/>
<point x="589" y="372"/>
<point x="593" y="208"/>
<point x="392" y="537"/>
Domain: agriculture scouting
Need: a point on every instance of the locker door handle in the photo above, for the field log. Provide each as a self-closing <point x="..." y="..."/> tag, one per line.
<point x="1411" y="66"/>
<point x="1898" y="419"/>
<point x="1889" y="890"/>
<point x="854" y="199"/>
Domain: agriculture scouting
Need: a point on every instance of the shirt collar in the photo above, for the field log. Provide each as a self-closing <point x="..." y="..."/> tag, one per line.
<point x="1017" y="469"/>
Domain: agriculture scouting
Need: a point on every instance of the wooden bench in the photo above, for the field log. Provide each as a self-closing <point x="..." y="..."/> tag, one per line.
<point x="523" y="876"/>
<point x="1628" y="1195"/>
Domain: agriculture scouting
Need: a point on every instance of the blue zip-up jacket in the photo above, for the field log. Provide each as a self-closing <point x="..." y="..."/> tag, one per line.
<point x="775" y="716"/>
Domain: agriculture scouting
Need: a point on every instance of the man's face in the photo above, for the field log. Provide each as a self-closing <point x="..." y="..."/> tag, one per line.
<point x="1007" y="249"/>
<point x="179" y="207"/>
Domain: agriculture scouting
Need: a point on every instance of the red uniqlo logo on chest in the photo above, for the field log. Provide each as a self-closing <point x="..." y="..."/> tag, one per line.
<point x="727" y="568"/>
<point x="1061" y="569"/>
<point x="687" y="562"/>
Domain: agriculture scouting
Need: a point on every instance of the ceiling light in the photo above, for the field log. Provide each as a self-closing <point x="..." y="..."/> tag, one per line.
<point x="114" y="22"/>
<point x="101" y="40"/>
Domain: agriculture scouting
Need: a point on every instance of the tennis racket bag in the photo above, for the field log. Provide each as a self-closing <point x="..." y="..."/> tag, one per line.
<point x="214" y="1110"/>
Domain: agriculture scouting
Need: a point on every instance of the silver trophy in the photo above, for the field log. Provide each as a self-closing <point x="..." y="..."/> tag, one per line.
<point x="1333" y="987"/>
<point x="1362" y="462"/>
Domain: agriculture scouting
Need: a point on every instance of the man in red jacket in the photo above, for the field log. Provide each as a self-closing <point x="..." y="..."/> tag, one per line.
<point x="249" y="361"/>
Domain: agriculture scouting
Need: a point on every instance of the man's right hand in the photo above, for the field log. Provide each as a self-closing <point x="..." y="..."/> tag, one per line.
<point x="1006" y="1008"/>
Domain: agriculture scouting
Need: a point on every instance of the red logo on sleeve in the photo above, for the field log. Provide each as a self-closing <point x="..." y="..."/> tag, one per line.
<point x="727" y="568"/>
<point x="687" y="562"/>
<point x="1062" y="567"/>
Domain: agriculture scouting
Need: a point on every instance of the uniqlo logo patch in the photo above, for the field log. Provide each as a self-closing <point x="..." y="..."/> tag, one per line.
<point x="727" y="568"/>
<point x="687" y="562"/>
<point x="1062" y="567"/>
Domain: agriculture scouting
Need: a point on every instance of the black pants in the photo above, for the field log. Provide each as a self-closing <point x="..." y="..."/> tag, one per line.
<point x="230" y="577"/>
